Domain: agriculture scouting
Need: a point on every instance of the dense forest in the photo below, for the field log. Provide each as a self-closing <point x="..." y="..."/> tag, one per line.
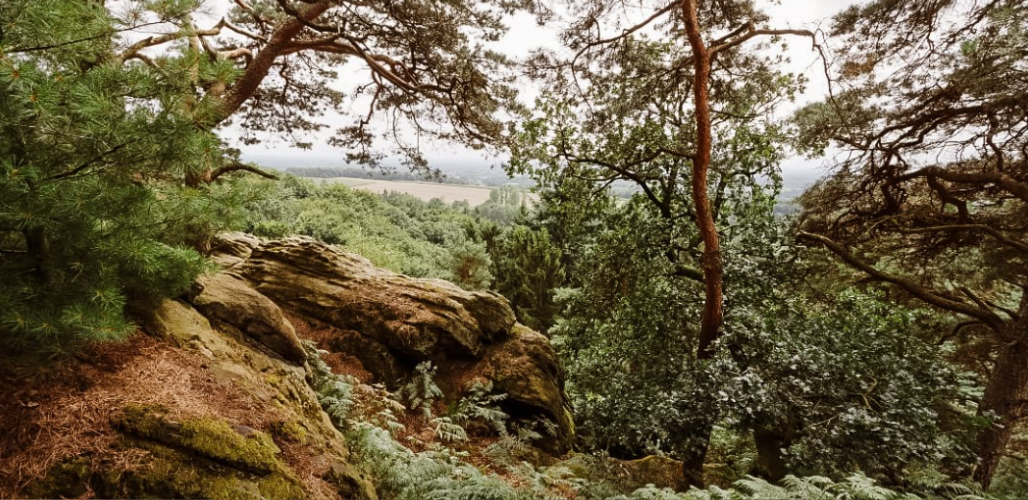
<point x="866" y="340"/>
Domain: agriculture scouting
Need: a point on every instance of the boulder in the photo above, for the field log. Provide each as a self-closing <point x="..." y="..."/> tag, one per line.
<point x="230" y="249"/>
<point x="391" y="322"/>
<point x="181" y="325"/>
<point x="420" y="319"/>
<point x="224" y="298"/>
<point x="525" y="367"/>
<point x="626" y="476"/>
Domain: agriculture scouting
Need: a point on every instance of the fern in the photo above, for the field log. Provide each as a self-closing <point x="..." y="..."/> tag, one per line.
<point x="759" y="488"/>
<point x="481" y="406"/>
<point x="511" y="447"/>
<point x="401" y="473"/>
<point x="447" y="431"/>
<point x="855" y="487"/>
<point x="550" y="482"/>
<point x="335" y="392"/>
<point x="421" y="392"/>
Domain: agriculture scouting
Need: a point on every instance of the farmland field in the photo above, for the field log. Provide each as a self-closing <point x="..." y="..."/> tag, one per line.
<point x="449" y="193"/>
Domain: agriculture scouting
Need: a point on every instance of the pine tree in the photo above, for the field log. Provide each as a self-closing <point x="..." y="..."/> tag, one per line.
<point x="86" y="224"/>
<point x="528" y="269"/>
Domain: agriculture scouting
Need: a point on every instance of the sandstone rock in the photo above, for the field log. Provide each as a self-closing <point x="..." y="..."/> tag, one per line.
<point x="628" y="475"/>
<point x="230" y="249"/>
<point x="223" y="297"/>
<point x="373" y="355"/>
<point x="421" y="319"/>
<point x="468" y="335"/>
<point x="181" y="325"/>
<point x="525" y="367"/>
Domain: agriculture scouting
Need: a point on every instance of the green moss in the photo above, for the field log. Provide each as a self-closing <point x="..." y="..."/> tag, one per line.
<point x="165" y="473"/>
<point x="218" y="440"/>
<point x="64" y="480"/>
<point x="214" y="439"/>
<point x="171" y="473"/>
<point x="144" y="420"/>
<point x="292" y="431"/>
<point x="273" y="380"/>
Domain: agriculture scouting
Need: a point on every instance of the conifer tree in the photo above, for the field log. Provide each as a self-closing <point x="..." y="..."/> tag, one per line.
<point x="86" y="224"/>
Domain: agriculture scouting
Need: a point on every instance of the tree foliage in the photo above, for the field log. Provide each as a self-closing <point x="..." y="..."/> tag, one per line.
<point x="429" y="68"/>
<point x="931" y="195"/>
<point x="85" y="223"/>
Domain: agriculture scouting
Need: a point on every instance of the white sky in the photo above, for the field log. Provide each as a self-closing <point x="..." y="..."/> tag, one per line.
<point x="525" y="35"/>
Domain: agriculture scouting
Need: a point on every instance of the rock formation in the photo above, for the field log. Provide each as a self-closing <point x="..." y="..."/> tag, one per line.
<point x="221" y="406"/>
<point x="391" y="322"/>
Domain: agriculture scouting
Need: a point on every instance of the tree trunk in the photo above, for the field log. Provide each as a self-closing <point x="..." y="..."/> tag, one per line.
<point x="243" y="88"/>
<point x="712" y="270"/>
<point x="37" y="244"/>
<point x="710" y="325"/>
<point x="692" y="463"/>
<point x="1006" y="394"/>
<point x="770" y="443"/>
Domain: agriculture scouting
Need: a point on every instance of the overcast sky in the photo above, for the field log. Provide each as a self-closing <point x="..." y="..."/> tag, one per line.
<point x="525" y="35"/>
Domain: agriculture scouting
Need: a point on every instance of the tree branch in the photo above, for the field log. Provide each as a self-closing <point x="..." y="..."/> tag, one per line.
<point x="991" y="231"/>
<point x="752" y="32"/>
<point x="240" y="167"/>
<point x="931" y="297"/>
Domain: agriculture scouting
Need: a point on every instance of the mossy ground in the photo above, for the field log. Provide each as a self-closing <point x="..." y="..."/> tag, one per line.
<point x="195" y="458"/>
<point x="165" y="473"/>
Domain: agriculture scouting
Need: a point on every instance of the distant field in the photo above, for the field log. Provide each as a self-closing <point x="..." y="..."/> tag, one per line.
<point x="424" y="190"/>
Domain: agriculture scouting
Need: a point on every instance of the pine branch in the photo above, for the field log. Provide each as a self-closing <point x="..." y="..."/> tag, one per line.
<point x="237" y="167"/>
<point x="930" y="296"/>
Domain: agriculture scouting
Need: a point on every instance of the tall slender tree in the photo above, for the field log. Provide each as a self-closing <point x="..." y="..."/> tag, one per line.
<point x="674" y="104"/>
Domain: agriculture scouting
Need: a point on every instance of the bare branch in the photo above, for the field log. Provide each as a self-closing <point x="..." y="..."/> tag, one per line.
<point x="240" y="167"/>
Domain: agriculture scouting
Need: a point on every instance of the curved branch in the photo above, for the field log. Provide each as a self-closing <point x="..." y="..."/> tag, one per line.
<point x="624" y="33"/>
<point x="753" y="32"/>
<point x="931" y="297"/>
<point x="240" y="167"/>
<point x="255" y="72"/>
<point x="152" y="41"/>
<point x="1012" y="185"/>
<point x="991" y="231"/>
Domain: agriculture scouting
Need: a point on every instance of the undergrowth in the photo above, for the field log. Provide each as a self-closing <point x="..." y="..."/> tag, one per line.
<point x="368" y="417"/>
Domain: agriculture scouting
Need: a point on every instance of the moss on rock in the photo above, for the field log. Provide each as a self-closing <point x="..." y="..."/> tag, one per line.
<point x="291" y="431"/>
<point x="165" y="473"/>
<point x="64" y="480"/>
<point x="213" y="439"/>
<point x="194" y="458"/>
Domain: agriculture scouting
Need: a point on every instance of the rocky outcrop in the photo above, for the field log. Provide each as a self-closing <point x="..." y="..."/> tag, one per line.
<point x="226" y="299"/>
<point x="391" y="322"/>
<point x="222" y="405"/>
<point x="419" y="319"/>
